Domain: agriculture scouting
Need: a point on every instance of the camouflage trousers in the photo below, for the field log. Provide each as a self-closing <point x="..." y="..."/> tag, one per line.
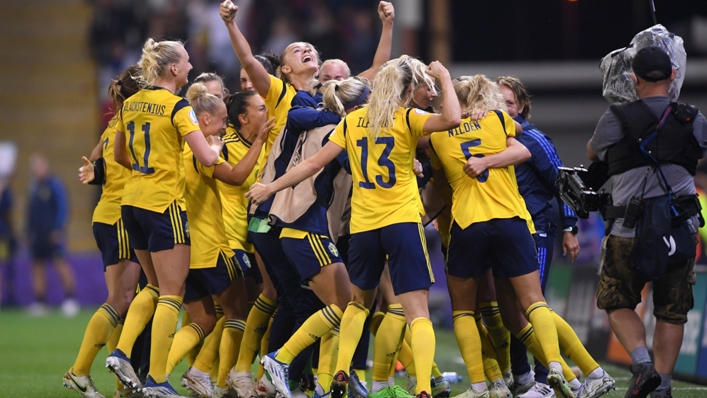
<point x="620" y="287"/>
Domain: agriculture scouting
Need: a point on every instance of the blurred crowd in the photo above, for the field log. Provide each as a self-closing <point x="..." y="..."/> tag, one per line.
<point x="120" y="27"/>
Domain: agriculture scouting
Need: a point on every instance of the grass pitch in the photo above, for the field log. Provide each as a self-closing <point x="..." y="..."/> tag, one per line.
<point x="36" y="352"/>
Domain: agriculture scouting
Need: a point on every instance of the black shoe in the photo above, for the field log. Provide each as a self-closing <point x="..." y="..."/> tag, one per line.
<point x="645" y="379"/>
<point x="339" y="384"/>
<point x="667" y="393"/>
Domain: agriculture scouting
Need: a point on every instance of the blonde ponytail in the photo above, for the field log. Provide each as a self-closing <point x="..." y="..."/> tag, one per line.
<point x="156" y="58"/>
<point x="391" y="90"/>
<point x="201" y="100"/>
<point x="338" y="96"/>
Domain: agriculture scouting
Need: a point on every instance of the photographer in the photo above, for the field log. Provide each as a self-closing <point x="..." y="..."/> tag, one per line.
<point x="652" y="147"/>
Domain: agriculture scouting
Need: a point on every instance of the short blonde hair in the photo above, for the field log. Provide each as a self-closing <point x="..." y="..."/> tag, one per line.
<point x="337" y="61"/>
<point x="156" y="58"/>
<point x="478" y="93"/>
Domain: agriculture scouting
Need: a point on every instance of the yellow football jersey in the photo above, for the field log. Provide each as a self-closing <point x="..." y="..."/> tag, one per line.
<point x="279" y="102"/>
<point x="384" y="186"/>
<point x="155" y="122"/>
<point x="235" y="205"/>
<point x="108" y="208"/>
<point x="206" y="227"/>
<point x="494" y="193"/>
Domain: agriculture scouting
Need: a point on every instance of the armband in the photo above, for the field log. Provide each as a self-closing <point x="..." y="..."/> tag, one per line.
<point x="99" y="172"/>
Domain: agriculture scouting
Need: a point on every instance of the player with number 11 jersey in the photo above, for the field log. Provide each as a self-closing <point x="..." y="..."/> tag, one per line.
<point x="154" y="122"/>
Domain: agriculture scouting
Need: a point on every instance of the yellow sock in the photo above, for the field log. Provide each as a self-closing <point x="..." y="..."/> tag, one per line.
<point x="115" y="336"/>
<point x="491" y="368"/>
<point x="214" y="369"/>
<point x="499" y="335"/>
<point x="423" y="351"/>
<point x="97" y="333"/>
<point x="376" y="320"/>
<point x="350" y="333"/>
<point x="164" y="325"/>
<point x="256" y="326"/>
<point x="573" y="347"/>
<point x="387" y="341"/>
<point x="185" y="340"/>
<point x="469" y="344"/>
<point x="264" y="349"/>
<point x="209" y="350"/>
<point x="316" y="326"/>
<point x="328" y="352"/>
<point x="230" y="347"/>
<point x="112" y="343"/>
<point x="540" y="317"/>
<point x="527" y="337"/>
<point x="436" y="373"/>
<point x="139" y="314"/>
<point x="405" y="355"/>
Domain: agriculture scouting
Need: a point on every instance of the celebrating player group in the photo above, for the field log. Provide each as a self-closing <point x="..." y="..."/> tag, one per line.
<point x="288" y="220"/>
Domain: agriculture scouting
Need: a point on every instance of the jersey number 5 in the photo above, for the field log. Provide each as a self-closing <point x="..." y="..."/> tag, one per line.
<point x="467" y="154"/>
<point x="384" y="161"/>
<point x="146" y="169"/>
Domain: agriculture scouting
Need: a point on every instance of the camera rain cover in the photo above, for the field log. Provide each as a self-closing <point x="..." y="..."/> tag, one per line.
<point x="616" y="66"/>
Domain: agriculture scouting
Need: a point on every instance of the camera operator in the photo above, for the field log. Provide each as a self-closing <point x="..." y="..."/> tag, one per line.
<point x="652" y="147"/>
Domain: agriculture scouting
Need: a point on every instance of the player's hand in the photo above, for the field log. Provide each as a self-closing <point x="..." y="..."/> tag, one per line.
<point x="86" y="172"/>
<point x="265" y="129"/>
<point x="435" y="225"/>
<point x="570" y="246"/>
<point x="475" y="166"/>
<point x="437" y="70"/>
<point x="215" y="142"/>
<point x="386" y="12"/>
<point x="227" y="10"/>
<point x="417" y="168"/>
<point x="258" y="193"/>
<point x="478" y="114"/>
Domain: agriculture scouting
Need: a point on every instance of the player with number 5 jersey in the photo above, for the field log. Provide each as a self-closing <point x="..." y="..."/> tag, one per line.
<point x="150" y="134"/>
<point x="380" y="140"/>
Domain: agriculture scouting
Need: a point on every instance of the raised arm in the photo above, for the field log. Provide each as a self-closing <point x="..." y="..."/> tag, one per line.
<point x="515" y="153"/>
<point x="386" y="12"/>
<point x="451" y="111"/>
<point x="257" y="73"/>
<point x="236" y="175"/>
<point x="259" y="193"/>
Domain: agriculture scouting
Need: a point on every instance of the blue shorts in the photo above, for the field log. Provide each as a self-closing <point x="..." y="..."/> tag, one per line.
<point x="503" y="244"/>
<point x="405" y="247"/>
<point x="203" y="282"/>
<point x="248" y="264"/>
<point x="112" y="241"/>
<point x="155" y="232"/>
<point x="310" y="254"/>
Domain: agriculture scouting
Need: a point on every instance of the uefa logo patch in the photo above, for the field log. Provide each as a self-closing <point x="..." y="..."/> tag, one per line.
<point x="333" y="249"/>
<point x="192" y="116"/>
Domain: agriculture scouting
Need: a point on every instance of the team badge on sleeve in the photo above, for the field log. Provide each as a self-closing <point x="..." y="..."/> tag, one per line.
<point x="192" y="116"/>
<point x="333" y="249"/>
<point x="246" y="261"/>
<point x="420" y="112"/>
